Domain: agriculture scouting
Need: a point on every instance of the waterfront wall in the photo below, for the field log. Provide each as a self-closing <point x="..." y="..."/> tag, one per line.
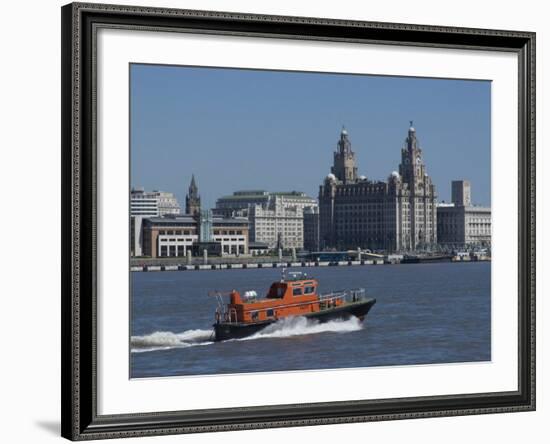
<point x="241" y="266"/>
<point x="290" y="264"/>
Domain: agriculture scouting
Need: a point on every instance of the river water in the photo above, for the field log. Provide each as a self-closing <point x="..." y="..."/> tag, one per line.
<point x="424" y="314"/>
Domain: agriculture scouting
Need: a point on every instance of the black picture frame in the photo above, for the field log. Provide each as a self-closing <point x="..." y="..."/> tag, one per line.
<point x="79" y="209"/>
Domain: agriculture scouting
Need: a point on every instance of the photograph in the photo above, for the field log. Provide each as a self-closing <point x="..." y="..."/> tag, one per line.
<point x="275" y="220"/>
<point x="304" y="221"/>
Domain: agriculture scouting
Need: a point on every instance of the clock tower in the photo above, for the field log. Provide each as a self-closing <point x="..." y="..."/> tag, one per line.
<point x="419" y="210"/>
<point x="412" y="168"/>
<point x="344" y="167"/>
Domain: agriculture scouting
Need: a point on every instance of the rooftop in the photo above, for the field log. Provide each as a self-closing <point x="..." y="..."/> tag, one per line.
<point x="466" y="207"/>
<point x="255" y="194"/>
<point x="188" y="219"/>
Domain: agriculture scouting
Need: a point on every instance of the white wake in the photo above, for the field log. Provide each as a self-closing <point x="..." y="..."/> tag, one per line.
<point x="285" y="328"/>
<point x="164" y="340"/>
<point x="298" y="326"/>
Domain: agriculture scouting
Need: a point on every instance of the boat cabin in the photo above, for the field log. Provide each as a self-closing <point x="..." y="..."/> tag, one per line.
<point x="294" y="295"/>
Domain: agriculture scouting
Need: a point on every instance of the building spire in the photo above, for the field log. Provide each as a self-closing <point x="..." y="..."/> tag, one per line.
<point x="344" y="159"/>
<point x="344" y="144"/>
<point x="193" y="200"/>
<point x="411" y="141"/>
<point x="193" y="185"/>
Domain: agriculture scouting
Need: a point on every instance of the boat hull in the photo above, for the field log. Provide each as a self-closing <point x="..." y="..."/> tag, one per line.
<point x="235" y="330"/>
<point x="426" y="259"/>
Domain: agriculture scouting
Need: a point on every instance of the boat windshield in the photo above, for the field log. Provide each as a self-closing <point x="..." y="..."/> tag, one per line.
<point x="276" y="292"/>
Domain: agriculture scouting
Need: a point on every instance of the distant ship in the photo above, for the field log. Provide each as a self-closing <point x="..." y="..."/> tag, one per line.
<point x="294" y="295"/>
<point x="418" y="259"/>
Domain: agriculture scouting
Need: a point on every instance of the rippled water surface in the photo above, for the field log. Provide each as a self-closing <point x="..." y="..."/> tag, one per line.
<point x="425" y="313"/>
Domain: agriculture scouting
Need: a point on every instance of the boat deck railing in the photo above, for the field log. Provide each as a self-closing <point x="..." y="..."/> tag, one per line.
<point x="329" y="300"/>
<point x="223" y="312"/>
<point x="226" y="315"/>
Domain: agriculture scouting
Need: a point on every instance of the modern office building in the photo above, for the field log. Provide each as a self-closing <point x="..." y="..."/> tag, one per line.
<point x="398" y="214"/>
<point x="153" y="203"/>
<point x="461" y="193"/>
<point x="173" y="236"/>
<point x="148" y="204"/>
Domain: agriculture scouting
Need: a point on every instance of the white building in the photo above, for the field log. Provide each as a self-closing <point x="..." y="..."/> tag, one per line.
<point x="173" y="236"/>
<point x="277" y="224"/>
<point x="461" y="224"/>
<point x="148" y="204"/>
<point x="153" y="203"/>
<point x="276" y="218"/>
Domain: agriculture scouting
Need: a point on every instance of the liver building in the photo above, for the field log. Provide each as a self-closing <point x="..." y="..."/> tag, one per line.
<point x="396" y="215"/>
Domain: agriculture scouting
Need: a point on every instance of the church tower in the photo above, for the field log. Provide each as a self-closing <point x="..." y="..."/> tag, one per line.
<point x="344" y="167"/>
<point x="193" y="200"/>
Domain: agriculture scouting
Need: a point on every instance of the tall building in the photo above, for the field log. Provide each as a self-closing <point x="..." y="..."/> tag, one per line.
<point x="277" y="225"/>
<point x="416" y="198"/>
<point x="344" y="160"/>
<point x="461" y="224"/>
<point x="148" y="204"/>
<point x="153" y="203"/>
<point x="192" y="199"/>
<point x="393" y="215"/>
<point x="461" y="193"/>
<point x="312" y="240"/>
<point x="276" y="218"/>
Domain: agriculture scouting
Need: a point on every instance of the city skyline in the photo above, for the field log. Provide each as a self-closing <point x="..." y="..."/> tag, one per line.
<point x="187" y="121"/>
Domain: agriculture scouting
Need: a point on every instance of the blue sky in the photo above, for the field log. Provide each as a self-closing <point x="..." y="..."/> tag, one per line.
<point x="252" y="129"/>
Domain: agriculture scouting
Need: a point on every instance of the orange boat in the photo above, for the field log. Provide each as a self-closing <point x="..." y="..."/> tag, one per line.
<point x="294" y="295"/>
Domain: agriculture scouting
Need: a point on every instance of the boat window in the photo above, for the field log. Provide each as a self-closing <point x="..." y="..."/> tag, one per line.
<point x="277" y="291"/>
<point x="254" y="315"/>
<point x="309" y="290"/>
<point x="269" y="313"/>
<point x="297" y="291"/>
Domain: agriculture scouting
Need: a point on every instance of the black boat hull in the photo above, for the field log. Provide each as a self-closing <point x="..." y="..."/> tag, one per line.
<point x="426" y="259"/>
<point x="234" y="330"/>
